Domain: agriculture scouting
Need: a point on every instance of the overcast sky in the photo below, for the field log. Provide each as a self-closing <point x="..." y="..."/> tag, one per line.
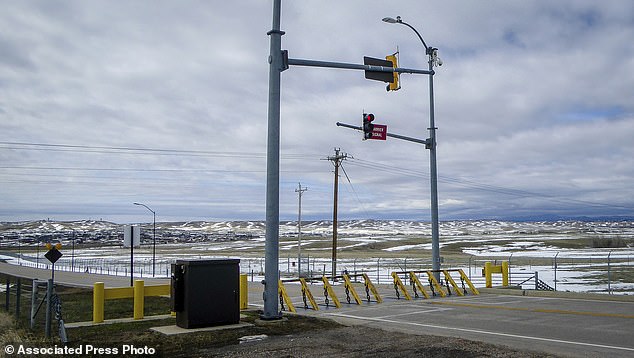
<point x="106" y="103"/>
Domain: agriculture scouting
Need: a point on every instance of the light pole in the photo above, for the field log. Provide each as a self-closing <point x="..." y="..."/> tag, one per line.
<point x="432" y="53"/>
<point x="153" y="240"/>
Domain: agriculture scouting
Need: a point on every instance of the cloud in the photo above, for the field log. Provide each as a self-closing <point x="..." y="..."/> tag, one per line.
<point x="532" y="104"/>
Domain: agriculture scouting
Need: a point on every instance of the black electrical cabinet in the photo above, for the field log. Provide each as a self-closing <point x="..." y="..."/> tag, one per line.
<point x="206" y="292"/>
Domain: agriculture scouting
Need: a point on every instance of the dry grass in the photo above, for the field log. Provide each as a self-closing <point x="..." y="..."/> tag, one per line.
<point x="9" y="331"/>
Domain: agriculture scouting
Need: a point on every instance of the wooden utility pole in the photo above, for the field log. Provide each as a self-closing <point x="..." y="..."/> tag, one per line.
<point x="337" y="162"/>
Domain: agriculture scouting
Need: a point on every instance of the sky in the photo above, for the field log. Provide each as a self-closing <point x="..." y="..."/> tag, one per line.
<point x="107" y="103"/>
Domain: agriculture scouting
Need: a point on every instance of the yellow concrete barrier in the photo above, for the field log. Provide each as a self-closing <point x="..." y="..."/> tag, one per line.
<point x="490" y="269"/>
<point x="97" y="302"/>
<point x="244" y="292"/>
<point x="139" y="291"/>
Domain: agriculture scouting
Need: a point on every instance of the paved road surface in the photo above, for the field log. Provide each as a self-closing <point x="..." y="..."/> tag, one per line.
<point x="565" y="326"/>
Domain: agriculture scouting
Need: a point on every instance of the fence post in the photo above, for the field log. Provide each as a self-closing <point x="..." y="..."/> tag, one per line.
<point x="49" y="296"/>
<point x="556" y="270"/>
<point x="18" y="292"/>
<point x="139" y="297"/>
<point x="609" y="277"/>
<point x="6" y="306"/>
<point x="33" y="303"/>
<point x="97" y="302"/>
<point x="536" y="280"/>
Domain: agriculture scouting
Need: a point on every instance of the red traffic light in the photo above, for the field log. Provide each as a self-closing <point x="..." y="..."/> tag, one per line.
<point x="368" y="117"/>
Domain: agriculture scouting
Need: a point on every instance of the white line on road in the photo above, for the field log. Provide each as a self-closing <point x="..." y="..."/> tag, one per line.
<point x="413" y="312"/>
<point x="483" y="332"/>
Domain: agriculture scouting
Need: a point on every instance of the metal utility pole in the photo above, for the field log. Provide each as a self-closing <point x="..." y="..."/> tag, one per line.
<point x="433" y="60"/>
<point x="271" y="245"/>
<point x="131" y="255"/>
<point x="337" y="162"/>
<point x="299" y="191"/>
<point x="153" y="237"/>
<point x="278" y="62"/>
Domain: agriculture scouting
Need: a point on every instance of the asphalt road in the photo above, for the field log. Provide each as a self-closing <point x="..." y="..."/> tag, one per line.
<point x="75" y="279"/>
<point x="576" y="327"/>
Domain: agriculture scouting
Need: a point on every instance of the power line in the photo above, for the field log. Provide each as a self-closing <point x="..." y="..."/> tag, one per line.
<point x="481" y="186"/>
<point x="139" y="150"/>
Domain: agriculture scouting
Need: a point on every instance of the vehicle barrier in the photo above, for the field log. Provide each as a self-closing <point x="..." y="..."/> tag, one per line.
<point x="413" y="279"/>
<point x="284" y="298"/>
<point x="350" y="289"/>
<point x="436" y="287"/>
<point x="398" y="284"/>
<point x="139" y="291"/>
<point x="490" y="269"/>
<point x="330" y="297"/>
<point x="433" y="283"/>
<point x="369" y="287"/>
<point x="328" y="291"/>
<point x="307" y="294"/>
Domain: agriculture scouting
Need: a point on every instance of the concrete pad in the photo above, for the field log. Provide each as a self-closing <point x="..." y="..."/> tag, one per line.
<point x="174" y="330"/>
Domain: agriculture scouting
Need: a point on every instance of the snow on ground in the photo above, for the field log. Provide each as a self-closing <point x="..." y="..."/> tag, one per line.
<point x="482" y="239"/>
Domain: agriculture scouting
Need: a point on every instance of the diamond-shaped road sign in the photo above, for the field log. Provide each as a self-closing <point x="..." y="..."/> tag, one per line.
<point x="53" y="255"/>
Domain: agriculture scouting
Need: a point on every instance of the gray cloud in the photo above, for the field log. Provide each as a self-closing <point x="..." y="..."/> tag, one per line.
<point x="533" y="106"/>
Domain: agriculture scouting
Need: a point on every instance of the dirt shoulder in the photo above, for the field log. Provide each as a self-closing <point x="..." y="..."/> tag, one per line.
<point x="360" y="341"/>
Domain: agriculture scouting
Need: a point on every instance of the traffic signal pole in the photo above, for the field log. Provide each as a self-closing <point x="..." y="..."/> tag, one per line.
<point x="433" y="172"/>
<point x="397" y="136"/>
<point x="278" y="62"/>
<point x="271" y="246"/>
<point x="353" y="66"/>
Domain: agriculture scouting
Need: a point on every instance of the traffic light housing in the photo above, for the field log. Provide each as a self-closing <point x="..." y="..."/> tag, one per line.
<point x="395" y="84"/>
<point x="368" y="127"/>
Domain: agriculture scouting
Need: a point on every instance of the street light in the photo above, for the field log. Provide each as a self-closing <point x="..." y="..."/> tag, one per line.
<point x="154" y="238"/>
<point x="432" y="53"/>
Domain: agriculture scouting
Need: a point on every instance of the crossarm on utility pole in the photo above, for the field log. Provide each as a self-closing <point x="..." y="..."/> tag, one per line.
<point x="353" y="66"/>
<point x="397" y="136"/>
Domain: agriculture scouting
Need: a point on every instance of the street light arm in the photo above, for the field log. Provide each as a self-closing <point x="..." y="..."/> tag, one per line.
<point x="417" y="34"/>
<point x="147" y="207"/>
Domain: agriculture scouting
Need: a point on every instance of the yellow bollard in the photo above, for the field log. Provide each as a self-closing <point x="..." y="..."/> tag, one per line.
<point x="244" y="292"/>
<point x="505" y="273"/>
<point x="139" y="296"/>
<point x="97" y="302"/>
<point x="487" y="274"/>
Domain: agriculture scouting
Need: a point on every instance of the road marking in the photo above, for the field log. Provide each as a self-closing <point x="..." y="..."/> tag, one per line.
<point x="415" y="312"/>
<point x="478" y="299"/>
<point x="540" y="310"/>
<point x="483" y="332"/>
